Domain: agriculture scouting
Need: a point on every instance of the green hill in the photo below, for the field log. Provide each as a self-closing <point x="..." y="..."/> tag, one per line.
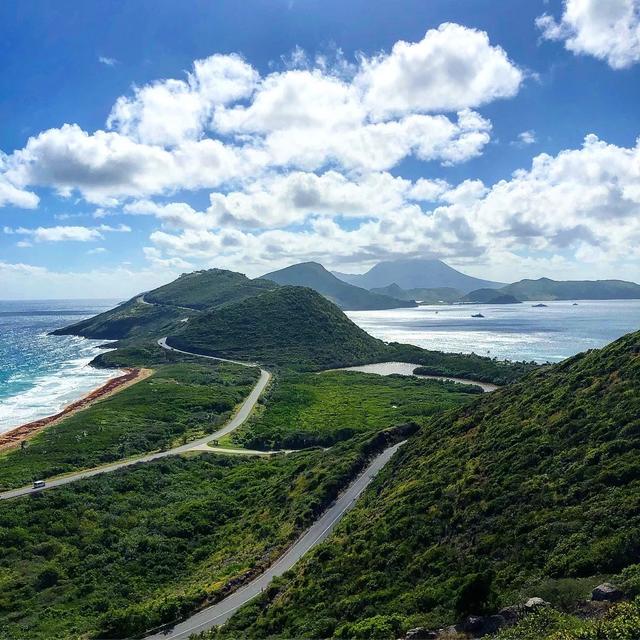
<point x="533" y="490"/>
<point x="206" y="289"/>
<point x="346" y="296"/>
<point x="290" y="326"/>
<point x="156" y="312"/>
<point x="546" y="289"/>
<point x="491" y="296"/>
<point x="438" y="295"/>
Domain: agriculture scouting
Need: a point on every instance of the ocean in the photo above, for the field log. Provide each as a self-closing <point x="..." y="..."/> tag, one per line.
<point x="515" y="332"/>
<point x="41" y="374"/>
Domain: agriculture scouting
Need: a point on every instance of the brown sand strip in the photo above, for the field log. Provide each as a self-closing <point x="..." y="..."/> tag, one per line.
<point x="26" y="431"/>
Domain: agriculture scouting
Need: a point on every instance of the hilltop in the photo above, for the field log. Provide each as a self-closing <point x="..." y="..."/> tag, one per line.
<point x="533" y="490"/>
<point x="416" y="274"/>
<point x="155" y="312"/>
<point x="290" y="326"/>
<point x="346" y="296"/>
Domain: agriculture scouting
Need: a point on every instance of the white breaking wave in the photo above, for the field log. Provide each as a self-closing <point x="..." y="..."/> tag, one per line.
<point x="51" y="392"/>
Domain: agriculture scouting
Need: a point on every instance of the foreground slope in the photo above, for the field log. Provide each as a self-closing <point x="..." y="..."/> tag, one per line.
<point x="290" y="326"/>
<point x="531" y="490"/>
<point x="346" y="296"/>
<point x="414" y="274"/>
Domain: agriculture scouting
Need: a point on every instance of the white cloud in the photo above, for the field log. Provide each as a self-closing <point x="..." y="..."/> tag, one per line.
<point x="222" y="124"/>
<point x="583" y="203"/>
<point x="96" y="251"/>
<point x="169" y="112"/>
<point x="451" y="68"/>
<point x="109" y="62"/>
<point x="66" y="233"/>
<point x="526" y="138"/>
<point x="606" y="29"/>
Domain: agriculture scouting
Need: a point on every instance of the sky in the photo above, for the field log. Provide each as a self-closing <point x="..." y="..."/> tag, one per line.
<point x="144" y="139"/>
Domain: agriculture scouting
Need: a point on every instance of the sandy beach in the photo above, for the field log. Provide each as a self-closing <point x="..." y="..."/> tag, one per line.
<point x="24" y="432"/>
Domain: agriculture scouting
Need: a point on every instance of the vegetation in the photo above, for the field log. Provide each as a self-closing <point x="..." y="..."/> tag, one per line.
<point x="291" y="326"/>
<point x="127" y="551"/>
<point x="177" y="403"/>
<point x="622" y="622"/>
<point x="318" y="410"/>
<point x="437" y="295"/>
<point x="207" y="289"/>
<point x="132" y="319"/>
<point x="491" y="296"/>
<point x="537" y="482"/>
<point x="344" y="295"/>
<point x="546" y="289"/>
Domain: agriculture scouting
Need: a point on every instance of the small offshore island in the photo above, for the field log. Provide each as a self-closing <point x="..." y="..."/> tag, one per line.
<point x="245" y="428"/>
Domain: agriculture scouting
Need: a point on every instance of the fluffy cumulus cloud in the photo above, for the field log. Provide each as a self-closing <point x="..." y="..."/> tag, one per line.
<point x="606" y="29"/>
<point x="223" y="123"/>
<point x="65" y="233"/>
<point x="451" y="68"/>
<point x="582" y="202"/>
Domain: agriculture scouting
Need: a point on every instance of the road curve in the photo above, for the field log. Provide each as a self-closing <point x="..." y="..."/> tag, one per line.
<point x="195" y="445"/>
<point x="219" y="613"/>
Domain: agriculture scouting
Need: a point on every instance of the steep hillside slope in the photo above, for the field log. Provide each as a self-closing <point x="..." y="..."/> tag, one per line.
<point x="290" y="326"/>
<point x="531" y="490"/>
<point x="414" y="274"/>
<point x="346" y="296"/>
<point x="546" y="289"/>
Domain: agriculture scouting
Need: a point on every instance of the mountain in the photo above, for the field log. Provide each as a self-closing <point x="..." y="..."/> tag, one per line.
<point x="532" y="490"/>
<point x="289" y="326"/>
<point x="346" y="296"/>
<point x="546" y="289"/>
<point x="490" y="296"/>
<point x="439" y="295"/>
<point x="155" y="312"/>
<point x="414" y="274"/>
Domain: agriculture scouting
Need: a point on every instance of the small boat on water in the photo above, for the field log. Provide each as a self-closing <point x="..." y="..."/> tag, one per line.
<point x="477" y="315"/>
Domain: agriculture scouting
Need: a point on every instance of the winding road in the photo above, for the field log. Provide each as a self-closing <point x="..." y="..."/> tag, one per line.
<point x="195" y="445"/>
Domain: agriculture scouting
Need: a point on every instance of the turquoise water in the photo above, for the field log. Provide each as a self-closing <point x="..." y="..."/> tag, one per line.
<point x="40" y="374"/>
<point x="514" y="332"/>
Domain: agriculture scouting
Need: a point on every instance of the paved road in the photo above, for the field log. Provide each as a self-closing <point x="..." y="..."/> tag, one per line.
<point x="239" y="418"/>
<point x="219" y="613"/>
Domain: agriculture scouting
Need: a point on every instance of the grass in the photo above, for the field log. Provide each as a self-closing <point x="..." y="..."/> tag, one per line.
<point x="305" y="410"/>
<point x="115" y="555"/>
<point x="177" y="403"/>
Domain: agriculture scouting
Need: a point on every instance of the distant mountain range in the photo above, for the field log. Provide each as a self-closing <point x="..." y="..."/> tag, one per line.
<point x="417" y="274"/>
<point x="346" y="296"/>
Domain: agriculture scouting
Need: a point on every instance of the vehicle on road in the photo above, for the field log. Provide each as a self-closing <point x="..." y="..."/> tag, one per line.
<point x="39" y="484"/>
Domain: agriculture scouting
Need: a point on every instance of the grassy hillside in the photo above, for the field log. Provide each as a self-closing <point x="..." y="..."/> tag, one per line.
<point x="210" y="288"/>
<point x="132" y="319"/>
<point x="291" y="326"/>
<point x="546" y="289"/>
<point x="178" y="402"/>
<point x="115" y="555"/>
<point x="305" y="410"/>
<point x="346" y="296"/>
<point x="527" y="491"/>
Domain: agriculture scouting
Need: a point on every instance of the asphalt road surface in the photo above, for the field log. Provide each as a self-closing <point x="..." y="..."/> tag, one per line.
<point x="219" y="613"/>
<point x="239" y="418"/>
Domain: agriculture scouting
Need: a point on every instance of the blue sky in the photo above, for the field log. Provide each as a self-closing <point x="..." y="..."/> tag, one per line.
<point x="344" y="132"/>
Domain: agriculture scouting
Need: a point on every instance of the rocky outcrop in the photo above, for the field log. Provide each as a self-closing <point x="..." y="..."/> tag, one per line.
<point x="607" y="592"/>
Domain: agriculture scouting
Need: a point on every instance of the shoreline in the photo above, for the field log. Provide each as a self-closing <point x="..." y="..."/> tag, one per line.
<point x="23" y="432"/>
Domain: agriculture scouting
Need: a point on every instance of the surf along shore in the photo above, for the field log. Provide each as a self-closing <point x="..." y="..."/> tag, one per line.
<point x="23" y="432"/>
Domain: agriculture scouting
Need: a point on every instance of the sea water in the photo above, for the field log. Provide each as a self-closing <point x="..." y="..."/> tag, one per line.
<point x="40" y="374"/>
<point x="515" y="331"/>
